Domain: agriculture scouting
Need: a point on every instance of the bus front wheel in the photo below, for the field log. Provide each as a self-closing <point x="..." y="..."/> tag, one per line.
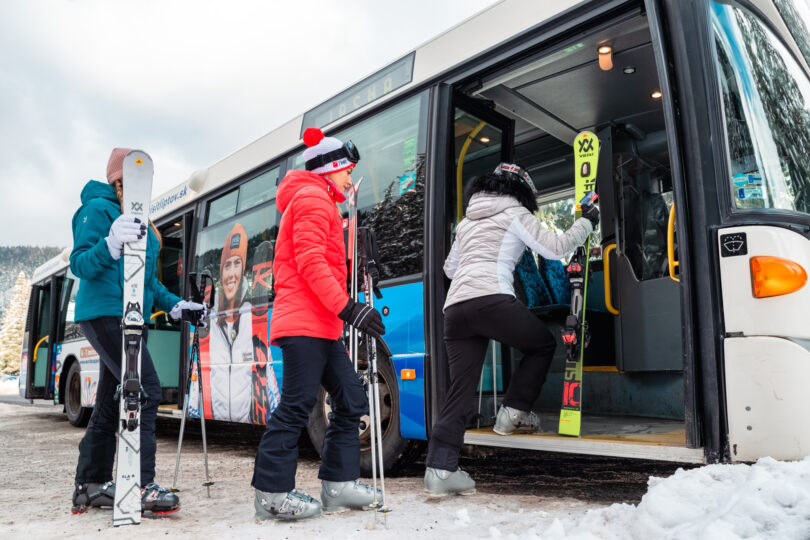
<point x="396" y="450"/>
<point x="76" y="414"/>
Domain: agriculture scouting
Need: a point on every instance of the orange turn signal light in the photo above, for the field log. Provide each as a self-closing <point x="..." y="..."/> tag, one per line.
<point x="774" y="276"/>
<point x="407" y="374"/>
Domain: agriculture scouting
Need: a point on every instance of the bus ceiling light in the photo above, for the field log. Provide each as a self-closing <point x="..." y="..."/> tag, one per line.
<point x="629" y="70"/>
<point x="605" y="57"/>
<point x="656" y="94"/>
<point x="774" y="276"/>
<point x="484" y="139"/>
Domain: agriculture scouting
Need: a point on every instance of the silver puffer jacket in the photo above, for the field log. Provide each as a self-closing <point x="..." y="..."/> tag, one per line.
<point x="491" y="239"/>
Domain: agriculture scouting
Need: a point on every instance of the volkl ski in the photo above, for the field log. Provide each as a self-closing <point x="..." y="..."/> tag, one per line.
<point x="575" y="333"/>
<point x="138" y="171"/>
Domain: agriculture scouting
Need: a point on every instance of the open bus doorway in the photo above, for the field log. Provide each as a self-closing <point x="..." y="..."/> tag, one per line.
<point x="166" y="334"/>
<point x="635" y="395"/>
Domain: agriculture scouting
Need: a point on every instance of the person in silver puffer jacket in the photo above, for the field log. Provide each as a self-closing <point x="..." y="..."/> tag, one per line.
<point x="481" y="305"/>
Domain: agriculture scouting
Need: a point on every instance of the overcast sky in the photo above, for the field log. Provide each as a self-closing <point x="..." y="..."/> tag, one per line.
<point x="187" y="81"/>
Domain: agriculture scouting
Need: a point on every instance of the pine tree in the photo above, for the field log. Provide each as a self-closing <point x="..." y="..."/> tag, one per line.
<point x="13" y="326"/>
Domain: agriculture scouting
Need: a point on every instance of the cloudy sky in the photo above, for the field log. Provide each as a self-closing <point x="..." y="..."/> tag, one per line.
<point x="187" y="81"/>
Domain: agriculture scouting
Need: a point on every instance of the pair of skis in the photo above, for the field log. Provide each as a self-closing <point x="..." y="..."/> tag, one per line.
<point x="137" y="171"/>
<point x="362" y="259"/>
<point x="575" y="333"/>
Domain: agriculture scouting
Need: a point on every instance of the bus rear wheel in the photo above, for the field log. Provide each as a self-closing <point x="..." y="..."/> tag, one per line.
<point x="396" y="450"/>
<point x="76" y="414"/>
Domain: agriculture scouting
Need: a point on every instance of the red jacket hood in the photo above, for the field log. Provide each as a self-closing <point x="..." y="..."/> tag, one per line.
<point x="297" y="180"/>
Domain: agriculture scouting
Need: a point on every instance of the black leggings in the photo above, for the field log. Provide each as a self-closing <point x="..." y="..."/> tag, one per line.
<point x="468" y="327"/>
<point x="97" y="448"/>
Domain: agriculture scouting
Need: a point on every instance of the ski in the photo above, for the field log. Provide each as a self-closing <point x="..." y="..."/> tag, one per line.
<point x="586" y="156"/>
<point x="137" y="183"/>
<point x="351" y="201"/>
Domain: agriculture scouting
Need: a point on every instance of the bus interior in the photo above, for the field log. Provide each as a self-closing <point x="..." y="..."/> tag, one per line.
<point x="529" y="110"/>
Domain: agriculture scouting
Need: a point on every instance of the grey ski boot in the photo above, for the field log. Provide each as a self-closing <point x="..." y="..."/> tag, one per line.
<point x="92" y="495"/>
<point x="439" y="482"/>
<point x="292" y="505"/>
<point x="511" y="420"/>
<point x="342" y="496"/>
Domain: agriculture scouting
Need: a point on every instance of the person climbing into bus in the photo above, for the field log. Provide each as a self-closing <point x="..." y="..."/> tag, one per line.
<point x="481" y="305"/>
<point x="100" y="230"/>
<point x="310" y="306"/>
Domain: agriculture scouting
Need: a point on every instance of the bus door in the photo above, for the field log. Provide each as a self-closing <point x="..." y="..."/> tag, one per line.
<point x="482" y="138"/>
<point x="41" y="339"/>
<point x="762" y="247"/>
<point x="165" y="333"/>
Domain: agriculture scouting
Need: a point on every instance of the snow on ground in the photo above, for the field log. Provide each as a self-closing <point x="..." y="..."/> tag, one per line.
<point x="8" y="385"/>
<point x="768" y="500"/>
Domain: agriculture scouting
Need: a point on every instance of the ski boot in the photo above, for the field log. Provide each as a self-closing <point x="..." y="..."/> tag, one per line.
<point x="511" y="420"/>
<point x="439" y="482"/>
<point x="292" y="505"/>
<point x="156" y="501"/>
<point x="92" y="495"/>
<point x="342" y="496"/>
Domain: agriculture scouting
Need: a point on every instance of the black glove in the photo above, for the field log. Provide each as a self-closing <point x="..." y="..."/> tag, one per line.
<point x="363" y="317"/>
<point x="591" y="213"/>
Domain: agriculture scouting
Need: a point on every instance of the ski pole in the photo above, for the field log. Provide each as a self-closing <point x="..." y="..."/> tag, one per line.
<point x="186" y="400"/>
<point x="208" y="483"/>
<point x="377" y="464"/>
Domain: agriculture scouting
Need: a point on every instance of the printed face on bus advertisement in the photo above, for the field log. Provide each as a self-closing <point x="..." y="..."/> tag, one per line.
<point x="232" y="271"/>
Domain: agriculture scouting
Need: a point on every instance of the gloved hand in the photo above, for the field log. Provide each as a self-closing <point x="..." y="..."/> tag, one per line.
<point x="184" y="305"/>
<point x="363" y="317"/>
<point x="124" y="229"/>
<point x="591" y="213"/>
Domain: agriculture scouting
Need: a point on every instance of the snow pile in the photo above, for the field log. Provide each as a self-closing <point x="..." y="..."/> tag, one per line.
<point x="8" y="386"/>
<point x="770" y="499"/>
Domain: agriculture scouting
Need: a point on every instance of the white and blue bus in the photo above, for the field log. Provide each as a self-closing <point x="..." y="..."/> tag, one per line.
<point x="698" y="304"/>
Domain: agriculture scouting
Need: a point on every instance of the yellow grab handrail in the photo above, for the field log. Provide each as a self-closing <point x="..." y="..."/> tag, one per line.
<point x="671" y="244"/>
<point x="606" y="262"/>
<point x="36" y="348"/>
<point x="461" y="156"/>
<point x="156" y="314"/>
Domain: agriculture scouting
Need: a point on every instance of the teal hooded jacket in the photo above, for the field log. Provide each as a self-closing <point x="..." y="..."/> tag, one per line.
<point x="101" y="287"/>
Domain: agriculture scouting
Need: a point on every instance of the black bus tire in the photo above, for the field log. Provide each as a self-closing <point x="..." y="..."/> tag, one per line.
<point x="76" y="414"/>
<point x="396" y="449"/>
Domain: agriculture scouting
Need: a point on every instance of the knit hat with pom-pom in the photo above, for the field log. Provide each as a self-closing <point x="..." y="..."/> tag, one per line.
<point x="319" y="146"/>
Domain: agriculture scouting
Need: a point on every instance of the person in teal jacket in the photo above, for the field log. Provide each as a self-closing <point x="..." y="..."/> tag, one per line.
<point x="100" y="231"/>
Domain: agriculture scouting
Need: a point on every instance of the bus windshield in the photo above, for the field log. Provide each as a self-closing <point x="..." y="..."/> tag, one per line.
<point x="766" y="97"/>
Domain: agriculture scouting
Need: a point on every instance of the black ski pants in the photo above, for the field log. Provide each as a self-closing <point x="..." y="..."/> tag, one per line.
<point x="97" y="448"/>
<point x="310" y="362"/>
<point x="468" y="327"/>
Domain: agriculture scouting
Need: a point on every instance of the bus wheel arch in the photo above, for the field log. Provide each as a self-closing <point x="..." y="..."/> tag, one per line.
<point x="396" y="449"/>
<point x="71" y="390"/>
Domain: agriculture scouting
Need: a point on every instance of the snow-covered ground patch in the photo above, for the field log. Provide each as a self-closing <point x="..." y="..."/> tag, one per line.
<point x="770" y="499"/>
<point x="8" y="385"/>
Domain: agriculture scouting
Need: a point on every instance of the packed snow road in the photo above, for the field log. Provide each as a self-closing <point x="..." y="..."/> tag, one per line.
<point x="520" y="494"/>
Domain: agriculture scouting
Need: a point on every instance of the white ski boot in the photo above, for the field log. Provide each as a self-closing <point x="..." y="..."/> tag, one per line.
<point x="511" y="420"/>
<point x="342" y="496"/>
<point x="292" y="505"/>
<point x="439" y="482"/>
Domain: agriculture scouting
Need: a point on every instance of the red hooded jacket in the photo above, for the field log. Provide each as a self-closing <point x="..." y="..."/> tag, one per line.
<point x="309" y="268"/>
